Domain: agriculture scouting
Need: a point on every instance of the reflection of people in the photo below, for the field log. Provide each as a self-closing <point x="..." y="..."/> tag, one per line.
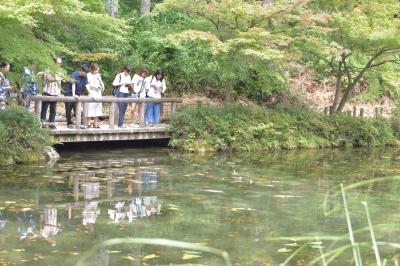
<point x="90" y="213"/>
<point x="149" y="181"/>
<point x="3" y="221"/>
<point x="91" y="190"/>
<point x="143" y="207"/>
<point x="116" y="213"/>
<point x="26" y="225"/>
<point x="48" y="223"/>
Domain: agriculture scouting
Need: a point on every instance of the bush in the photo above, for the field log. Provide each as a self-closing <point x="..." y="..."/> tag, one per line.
<point x="234" y="127"/>
<point x="22" y="139"/>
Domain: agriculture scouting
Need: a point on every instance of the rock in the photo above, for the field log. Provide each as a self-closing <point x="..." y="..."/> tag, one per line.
<point x="51" y="155"/>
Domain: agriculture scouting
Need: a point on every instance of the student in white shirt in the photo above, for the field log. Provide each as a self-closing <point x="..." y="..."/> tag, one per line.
<point x="157" y="87"/>
<point x="122" y="82"/>
<point x="141" y="85"/>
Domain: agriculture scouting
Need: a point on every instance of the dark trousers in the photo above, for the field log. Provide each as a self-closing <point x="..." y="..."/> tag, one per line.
<point x="45" y="106"/>
<point x="68" y="110"/>
<point x="122" y="108"/>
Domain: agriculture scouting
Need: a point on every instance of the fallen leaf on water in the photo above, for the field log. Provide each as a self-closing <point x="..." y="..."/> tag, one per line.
<point x="190" y="256"/>
<point x="26" y="209"/>
<point x="213" y="191"/>
<point x="284" y="250"/>
<point x="114" y="251"/>
<point x="10" y="202"/>
<point x="18" y="250"/>
<point x="128" y="258"/>
<point x="151" y="256"/>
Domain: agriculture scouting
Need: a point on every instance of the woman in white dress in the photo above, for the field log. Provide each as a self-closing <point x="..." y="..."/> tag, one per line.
<point x="95" y="88"/>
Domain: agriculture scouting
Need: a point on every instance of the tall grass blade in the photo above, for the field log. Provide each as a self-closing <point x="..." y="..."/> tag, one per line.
<point x="294" y="254"/>
<point x="321" y="252"/>
<point x="374" y="245"/>
<point x="83" y="261"/>
<point x="353" y="242"/>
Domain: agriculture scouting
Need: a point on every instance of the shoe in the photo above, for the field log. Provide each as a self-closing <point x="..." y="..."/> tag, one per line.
<point x="52" y="126"/>
<point x="70" y="126"/>
<point x="96" y="126"/>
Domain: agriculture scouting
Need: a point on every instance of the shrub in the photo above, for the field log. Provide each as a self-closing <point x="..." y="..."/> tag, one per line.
<point x="22" y="139"/>
<point x="234" y="127"/>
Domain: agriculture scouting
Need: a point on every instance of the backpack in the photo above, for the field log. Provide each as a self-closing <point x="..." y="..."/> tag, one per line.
<point x="115" y="89"/>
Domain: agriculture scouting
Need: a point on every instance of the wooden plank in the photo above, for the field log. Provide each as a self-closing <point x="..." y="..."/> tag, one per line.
<point x="38" y="108"/>
<point x="142" y="110"/>
<point x="85" y="121"/>
<point x="105" y="99"/>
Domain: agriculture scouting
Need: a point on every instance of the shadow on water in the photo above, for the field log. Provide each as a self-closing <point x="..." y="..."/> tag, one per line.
<point x="106" y="145"/>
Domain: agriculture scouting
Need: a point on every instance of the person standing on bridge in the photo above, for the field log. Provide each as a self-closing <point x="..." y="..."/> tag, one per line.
<point x="74" y="88"/>
<point x="157" y="87"/>
<point x="5" y="87"/>
<point x="30" y="86"/>
<point x="141" y="85"/>
<point x="122" y="83"/>
<point x="52" y="87"/>
<point x="95" y="88"/>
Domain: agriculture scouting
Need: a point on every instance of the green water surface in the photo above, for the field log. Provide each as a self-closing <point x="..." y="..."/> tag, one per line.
<point x="240" y="203"/>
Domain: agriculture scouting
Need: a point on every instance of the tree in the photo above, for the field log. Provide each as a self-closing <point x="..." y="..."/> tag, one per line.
<point x="358" y="42"/>
<point x="238" y="31"/>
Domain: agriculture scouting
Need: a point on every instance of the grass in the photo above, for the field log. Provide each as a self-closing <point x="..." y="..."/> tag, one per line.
<point x="245" y="128"/>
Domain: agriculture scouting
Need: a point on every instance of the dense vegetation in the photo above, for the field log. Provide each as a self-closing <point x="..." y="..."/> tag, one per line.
<point x="239" y="128"/>
<point x="22" y="139"/>
<point x="222" y="48"/>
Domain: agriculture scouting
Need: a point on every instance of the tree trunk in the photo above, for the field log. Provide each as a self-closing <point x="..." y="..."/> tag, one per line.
<point x="145" y="6"/>
<point x="111" y="7"/>
<point x="338" y="86"/>
<point x="267" y="2"/>
<point x="228" y="90"/>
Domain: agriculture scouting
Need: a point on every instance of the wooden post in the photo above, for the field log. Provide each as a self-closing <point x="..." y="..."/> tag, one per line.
<point x="361" y="112"/>
<point x="161" y="110"/>
<point x="85" y="112"/>
<point x="330" y="110"/>
<point x="142" y="109"/>
<point x="111" y="118"/>
<point x="348" y="113"/>
<point x="381" y="110"/>
<point x="173" y="108"/>
<point x="355" y="111"/>
<point x="78" y="115"/>
<point x="326" y="110"/>
<point x="38" y="108"/>
<point x="116" y="114"/>
<point x="376" y="112"/>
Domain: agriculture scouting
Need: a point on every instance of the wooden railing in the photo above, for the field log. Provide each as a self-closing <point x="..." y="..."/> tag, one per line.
<point x="83" y="101"/>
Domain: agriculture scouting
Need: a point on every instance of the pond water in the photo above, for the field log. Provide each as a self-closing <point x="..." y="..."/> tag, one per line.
<point x="241" y="203"/>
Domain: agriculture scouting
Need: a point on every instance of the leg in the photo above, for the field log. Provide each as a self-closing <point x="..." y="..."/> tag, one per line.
<point x="157" y="112"/>
<point x="149" y="112"/>
<point x="53" y="106"/>
<point x="133" y="112"/>
<point x="68" y="109"/>
<point x="43" y="112"/>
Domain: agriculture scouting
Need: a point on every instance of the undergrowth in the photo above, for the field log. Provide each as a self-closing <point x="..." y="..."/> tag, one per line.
<point x="243" y="128"/>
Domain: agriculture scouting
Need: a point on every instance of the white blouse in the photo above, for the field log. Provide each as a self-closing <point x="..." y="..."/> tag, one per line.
<point x="156" y="88"/>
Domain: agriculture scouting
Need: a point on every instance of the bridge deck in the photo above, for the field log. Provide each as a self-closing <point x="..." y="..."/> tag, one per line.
<point x="66" y="135"/>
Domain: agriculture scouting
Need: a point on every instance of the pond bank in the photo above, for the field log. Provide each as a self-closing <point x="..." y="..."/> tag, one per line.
<point x="247" y="128"/>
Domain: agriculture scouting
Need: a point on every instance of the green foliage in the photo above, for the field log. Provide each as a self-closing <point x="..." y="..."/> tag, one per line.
<point x="22" y="139"/>
<point x="244" y="128"/>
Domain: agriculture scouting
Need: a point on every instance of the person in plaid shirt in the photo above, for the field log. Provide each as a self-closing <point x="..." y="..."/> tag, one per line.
<point x="5" y="87"/>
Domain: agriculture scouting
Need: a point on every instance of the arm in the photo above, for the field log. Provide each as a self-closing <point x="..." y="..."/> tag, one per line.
<point x="73" y="89"/>
<point x="164" y="86"/>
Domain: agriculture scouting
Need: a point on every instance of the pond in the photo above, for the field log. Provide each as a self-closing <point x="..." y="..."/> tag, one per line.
<point x="255" y="206"/>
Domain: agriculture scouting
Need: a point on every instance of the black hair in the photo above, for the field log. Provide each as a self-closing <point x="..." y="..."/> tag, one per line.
<point x="3" y="64"/>
<point x="85" y="68"/>
<point x="127" y="68"/>
<point x="159" y="72"/>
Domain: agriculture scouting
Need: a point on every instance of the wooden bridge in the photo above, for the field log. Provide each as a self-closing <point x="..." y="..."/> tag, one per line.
<point x="109" y="131"/>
